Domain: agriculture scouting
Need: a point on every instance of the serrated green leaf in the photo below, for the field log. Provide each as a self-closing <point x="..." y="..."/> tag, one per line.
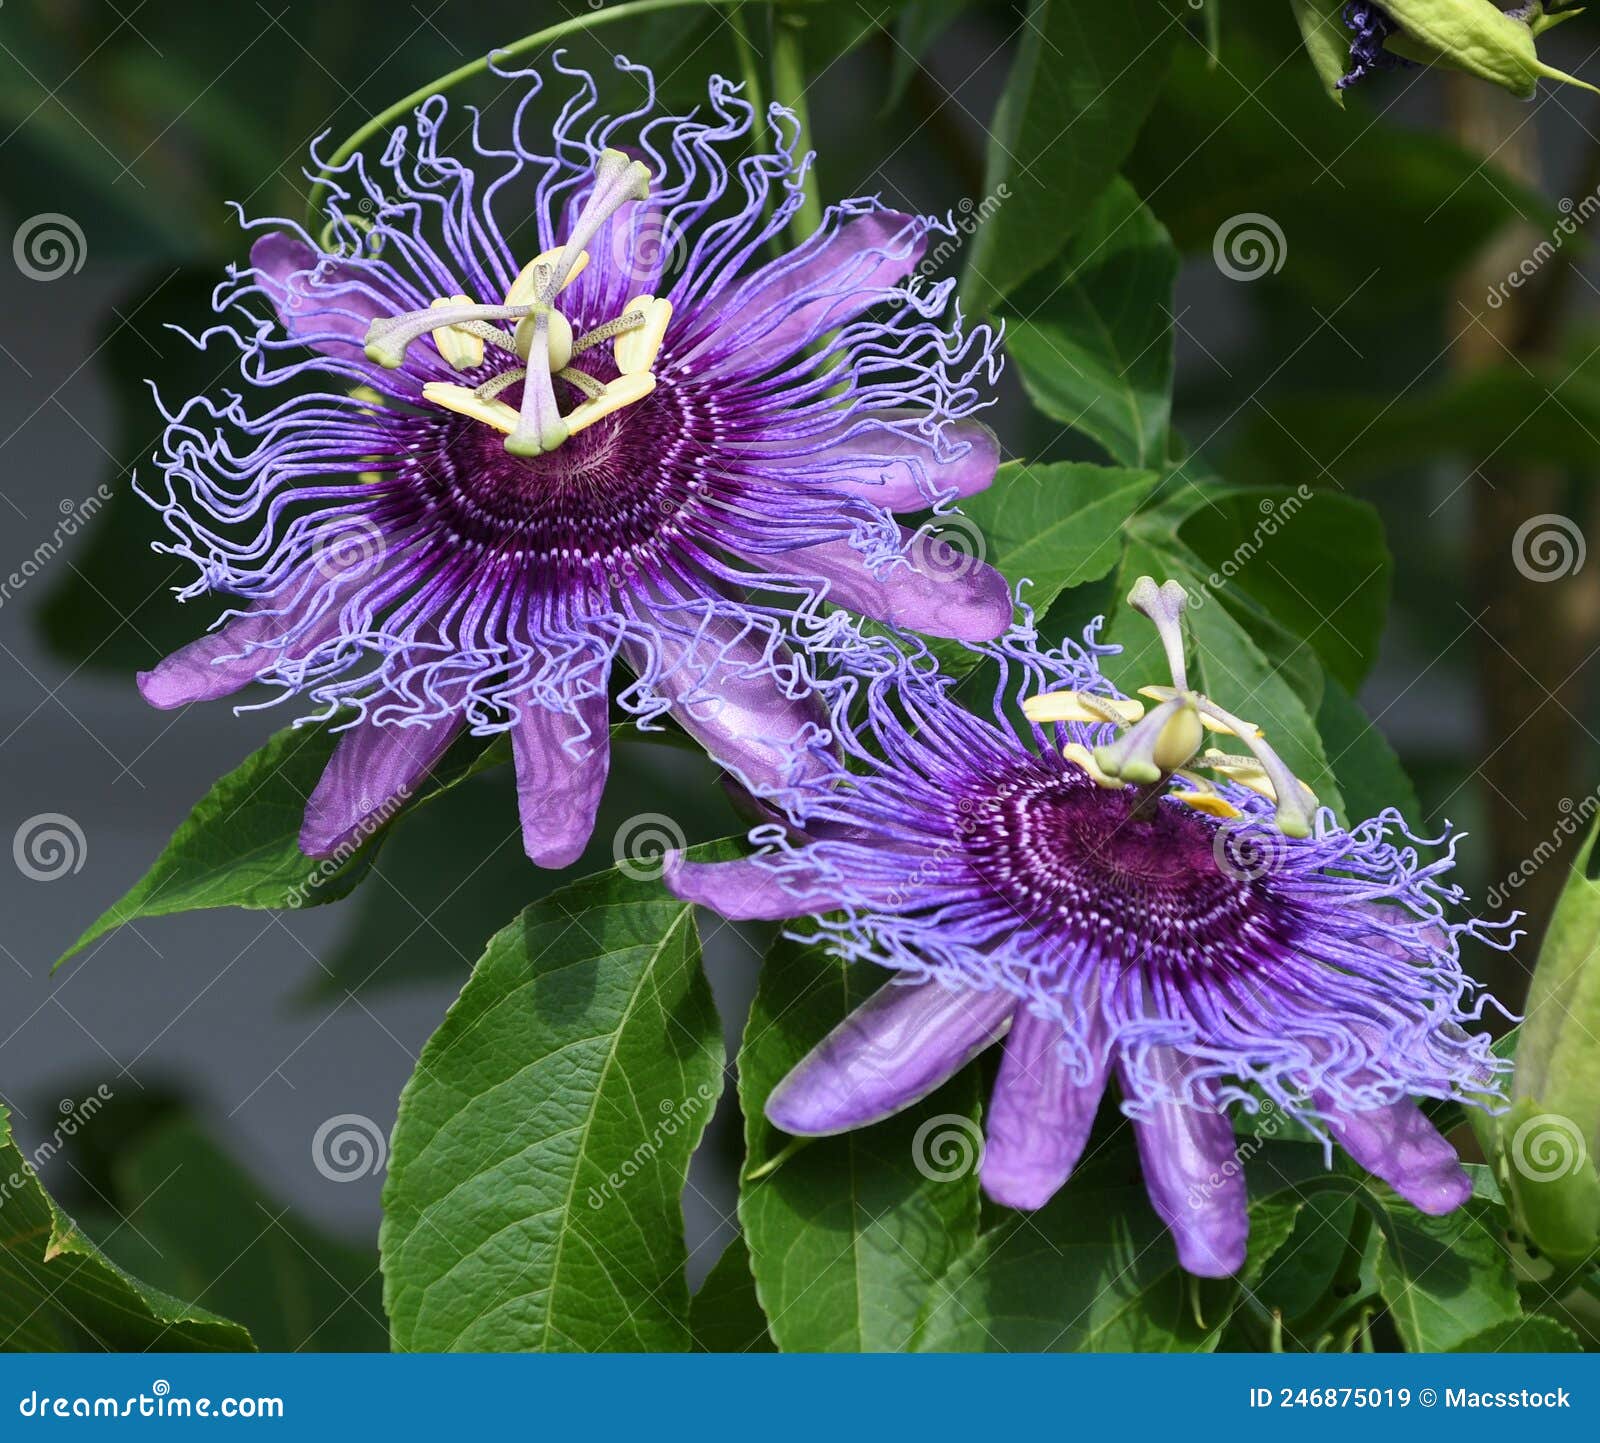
<point x="58" y="1292"/>
<point x="1057" y="525"/>
<point x="848" y="1236"/>
<point x="1082" y="82"/>
<point x="533" y="1197"/>
<point x="725" y="1315"/>
<point x="1446" y="1279"/>
<point x="1092" y="334"/>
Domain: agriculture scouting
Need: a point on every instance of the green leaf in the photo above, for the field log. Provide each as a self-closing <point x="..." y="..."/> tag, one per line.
<point x="1084" y="78"/>
<point x="1092" y="335"/>
<point x="1091" y="1272"/>
<point x="1532" y="1334"/>
<point x="1445" y="1279"/>
<point x="725" y="1315"/>
<point x="1315" y="562"/>
<point x="222" y="1238"/>
<point x="238" y="847"/>
<point x="1369" y="773"/>
<point x="1058" y="525"/>
<point x="58" y="1292"/>
<point x="848" y="1235"/>
<point x="533" y="1198"/>
<point x="445" y="887"/>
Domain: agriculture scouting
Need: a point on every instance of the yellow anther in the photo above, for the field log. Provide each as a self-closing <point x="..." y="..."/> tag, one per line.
<point x="1080" y="706"/>
<point x="464" y="401"/>
<point x="461" y="349"/>
<point x="1082" y="758"/>
<point x="623" y="391"/>
<point x="636" y="350"/>
<point x="1247" y="772"/>
<point x="524" y="289"/>
<point x="1209" y="803"/>
<point x="368" y="398"/>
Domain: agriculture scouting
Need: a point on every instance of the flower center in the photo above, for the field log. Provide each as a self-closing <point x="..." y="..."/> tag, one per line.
<point x="1152" y="749"/>
<point x="541" y="339"/>
<point x="1070" y="856"/>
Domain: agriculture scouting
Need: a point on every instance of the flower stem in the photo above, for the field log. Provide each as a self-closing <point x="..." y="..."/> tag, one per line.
<point x="578" y="23"/>
<point x="789" y="90"/>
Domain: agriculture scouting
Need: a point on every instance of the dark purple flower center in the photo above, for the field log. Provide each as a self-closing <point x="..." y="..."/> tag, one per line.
<point x="605" y="501"/>
<point x="1072" y="859"/>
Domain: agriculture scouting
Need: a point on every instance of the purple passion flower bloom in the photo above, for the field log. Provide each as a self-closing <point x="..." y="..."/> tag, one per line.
<point x="1072" y="883"/>
<point x="503" y="451"/>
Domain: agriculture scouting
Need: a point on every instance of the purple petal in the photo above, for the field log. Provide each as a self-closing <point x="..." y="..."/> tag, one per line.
<point x="735" y="705"/>
<point x="372" y="768"/>
<point x="208" y="668"/>
<point x="1039" y="1116"/>
<point x="1195" y="1179"/>
<point x="899" y="470"/>
<point x="331" y="313"/>
<point x="827" y="281"/>
<point x="1400" y="1145"/>
<point x="748" y="891"/>
<point x="558" y="791"/>
<point x="895" y="1048"/>
<point x="940" y="591"/>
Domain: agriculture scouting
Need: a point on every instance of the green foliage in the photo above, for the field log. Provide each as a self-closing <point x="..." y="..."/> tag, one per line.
<point x="1082" y="81"/>
<point x="848" y="1236"/>
<point x="206" y="1229"/>
<point x="238" y="847"/>
<point x="1092" y="334"/>
<point x="542" y="1144"/>
<point x="60" y="1293"/>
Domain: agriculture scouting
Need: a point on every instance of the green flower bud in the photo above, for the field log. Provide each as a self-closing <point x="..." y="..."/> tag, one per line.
<point x="1478" y="37"/>
<point x="1545" y="1148"/>
<point x="1326" y="40"/>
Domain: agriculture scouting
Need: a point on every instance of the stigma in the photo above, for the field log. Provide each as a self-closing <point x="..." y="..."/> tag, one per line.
<point x="529" y="328"/>
<point x="1151" y="748"/>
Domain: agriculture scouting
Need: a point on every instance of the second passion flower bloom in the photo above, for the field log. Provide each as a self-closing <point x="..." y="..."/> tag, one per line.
<point x="504" y="461"/>
<point x="1072" y="883"/>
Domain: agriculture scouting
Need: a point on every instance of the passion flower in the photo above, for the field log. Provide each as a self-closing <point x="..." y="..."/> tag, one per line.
<point x="552" y="412"/>
<point x="1074" y="883"/>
